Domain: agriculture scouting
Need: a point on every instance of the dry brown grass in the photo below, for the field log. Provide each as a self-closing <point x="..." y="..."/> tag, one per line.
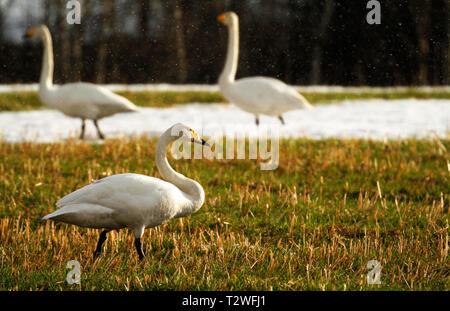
<point x="312" y="224"/>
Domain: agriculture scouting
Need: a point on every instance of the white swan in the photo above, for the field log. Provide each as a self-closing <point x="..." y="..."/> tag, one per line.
<point x="78" y="100"/>
<point x="256" y="95"/>
<point x="135" y="201"/>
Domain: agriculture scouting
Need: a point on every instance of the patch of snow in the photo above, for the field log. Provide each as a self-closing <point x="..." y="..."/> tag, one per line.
<point x="6" y="88"/>
<point x="368" y="119"/>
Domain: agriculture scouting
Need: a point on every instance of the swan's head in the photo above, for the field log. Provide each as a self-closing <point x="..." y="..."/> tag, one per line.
<point x="228" y="18"/>
<point x="184" y="132"/>
<point x="37" y="31"/>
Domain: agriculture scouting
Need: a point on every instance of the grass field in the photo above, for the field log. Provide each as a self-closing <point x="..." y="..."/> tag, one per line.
<point x="16" y="101"/>
<point x="312" y="224"/>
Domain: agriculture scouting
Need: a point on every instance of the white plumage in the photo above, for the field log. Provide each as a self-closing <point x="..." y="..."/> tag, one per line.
<point x="256" y="95"/>
<point x="85" y="100"/>
<point x="78" y="100"/>
<point x="135" y="201"/>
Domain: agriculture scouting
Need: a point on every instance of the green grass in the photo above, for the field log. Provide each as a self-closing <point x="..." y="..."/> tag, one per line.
<point x="312" y="224"/>
<point x="330" y="97"/>
<point x="17" y="101"/>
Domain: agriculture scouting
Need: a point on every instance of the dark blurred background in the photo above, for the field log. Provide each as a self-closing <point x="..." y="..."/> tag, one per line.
<point x="302" y="42"/>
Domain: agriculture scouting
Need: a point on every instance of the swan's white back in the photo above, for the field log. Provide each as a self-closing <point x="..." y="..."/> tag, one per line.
<point x="85" y="100"/>
<point x="263" y="95"/>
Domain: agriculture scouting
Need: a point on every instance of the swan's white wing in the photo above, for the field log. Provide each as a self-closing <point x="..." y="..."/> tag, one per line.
<point x="86" y="215"/>
<point x="117" y="191"/>
<point x="264" y="95"/>
<point x="86" y="100"/>
<point x="133" y="199"/>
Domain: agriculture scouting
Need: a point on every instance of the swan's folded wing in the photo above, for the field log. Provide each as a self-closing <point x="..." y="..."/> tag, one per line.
<point x="122" y="191"/>
<point x="112" y="191"/>
<point x="265" y="95"/>
<point x="282" y="94"/>
<point x="79" y="194"/>
<point x="85" y="215"/>
<point x="92" y="101"/>
<point x="108" y="100"/>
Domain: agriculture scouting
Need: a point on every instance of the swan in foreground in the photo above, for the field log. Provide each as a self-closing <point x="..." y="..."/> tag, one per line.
<point x="135" y="201"/>
<point x="78" y="100"/>
<point x="256" y="95"/>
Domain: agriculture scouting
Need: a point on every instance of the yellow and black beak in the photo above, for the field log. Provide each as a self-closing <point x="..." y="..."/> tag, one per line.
<point x="196" y="139"/>
<point x="29" y="33"/>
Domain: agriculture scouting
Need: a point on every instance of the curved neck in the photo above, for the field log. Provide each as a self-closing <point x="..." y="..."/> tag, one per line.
<point x="46" y="80"/>
<point x="192" y="189"/>
<point x="229" y="71"/>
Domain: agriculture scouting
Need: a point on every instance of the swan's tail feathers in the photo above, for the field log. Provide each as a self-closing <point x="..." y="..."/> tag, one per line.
<point x="84" y="215"/>
<point x="49" y="216"/>
<point x="129" y="107"/>
<point x="297" y="100"/>
<point x="304" y="102"/>
<point x="136" y="109"/>
<point x="133" y="108"/>
<point x="123" y="103"/>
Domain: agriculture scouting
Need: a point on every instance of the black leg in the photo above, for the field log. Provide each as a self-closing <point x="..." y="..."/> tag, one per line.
<point x="102" y="239"/>
<point x="137" y="243"/>
<point x="281" y="119"/>
<point x="98" y="130"/>
<point x="83" y="126"/>
<point x="257" y="120"/>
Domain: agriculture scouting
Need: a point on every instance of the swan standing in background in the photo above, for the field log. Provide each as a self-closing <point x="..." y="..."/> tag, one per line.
<point x="257" y="95"/>
<point x="78" y="100"/>
<point x="135" y="201"/>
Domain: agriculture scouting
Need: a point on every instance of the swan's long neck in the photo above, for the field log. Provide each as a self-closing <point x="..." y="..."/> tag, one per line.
<point x="229" y="71"/>
<point x="46" y="80"/>
<point x="191" y="188"/>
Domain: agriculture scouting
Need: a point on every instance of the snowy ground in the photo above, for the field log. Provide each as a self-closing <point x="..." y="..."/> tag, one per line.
<point x="375" y="119"/>
<point x="5" y="88"/>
